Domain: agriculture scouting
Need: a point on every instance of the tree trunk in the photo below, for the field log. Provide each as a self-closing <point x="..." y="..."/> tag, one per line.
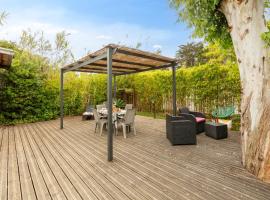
<point x="246" y="24"/>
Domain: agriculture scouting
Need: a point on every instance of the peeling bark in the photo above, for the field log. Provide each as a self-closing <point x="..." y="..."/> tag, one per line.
<point x="248" y="22"/>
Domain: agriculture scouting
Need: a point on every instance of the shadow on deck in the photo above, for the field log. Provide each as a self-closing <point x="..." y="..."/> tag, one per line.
<point x="40" y="161"/>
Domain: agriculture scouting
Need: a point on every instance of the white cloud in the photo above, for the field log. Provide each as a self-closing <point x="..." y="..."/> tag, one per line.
<point x="157" y="46"/>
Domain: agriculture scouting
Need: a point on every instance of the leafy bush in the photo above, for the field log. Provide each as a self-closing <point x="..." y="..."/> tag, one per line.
<point x="23" y="95"/>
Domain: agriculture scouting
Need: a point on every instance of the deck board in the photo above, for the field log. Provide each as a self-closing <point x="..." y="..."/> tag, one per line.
<point x="40" y="161"/>
<point x="27" y="188"/>
<point x="37" y="175"/>
<point x="4" y="164"/>
<point x="14" y="183"/>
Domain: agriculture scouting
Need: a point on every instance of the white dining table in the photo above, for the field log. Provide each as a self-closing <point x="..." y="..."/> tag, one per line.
<point x="116" y="116"/>
<point x="104" y="112"/>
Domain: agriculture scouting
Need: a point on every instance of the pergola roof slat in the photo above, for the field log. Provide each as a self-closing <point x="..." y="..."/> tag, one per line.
<point x="134" y="54"/>
<point x="125" y="60"/>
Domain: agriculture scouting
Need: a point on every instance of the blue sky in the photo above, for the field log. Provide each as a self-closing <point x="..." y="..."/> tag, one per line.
<point x="94" y="23"/>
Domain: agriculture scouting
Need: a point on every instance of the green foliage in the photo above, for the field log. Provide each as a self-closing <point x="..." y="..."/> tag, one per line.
<point x="62" y="52"/>
<point x="23" y="96"/>
<point x="58" y="54"/>
<point x="119" y="103"/>
<point x="208" y="22"/>
<point x="191" y="54"/>
<point x="159" y="115"/>
<point x="266" y="35"/>
<point x="216" y="55"/>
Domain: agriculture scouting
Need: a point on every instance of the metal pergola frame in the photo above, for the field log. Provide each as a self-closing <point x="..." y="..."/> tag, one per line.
<point x="115" y="60"/>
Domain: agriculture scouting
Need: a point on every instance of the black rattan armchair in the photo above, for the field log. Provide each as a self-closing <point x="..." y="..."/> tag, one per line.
<point x="196" y="117"/>
<point x="180" y="131"/>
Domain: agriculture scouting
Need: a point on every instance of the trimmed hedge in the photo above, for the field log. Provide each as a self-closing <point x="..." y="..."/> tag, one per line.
<point x="29" y="90"/>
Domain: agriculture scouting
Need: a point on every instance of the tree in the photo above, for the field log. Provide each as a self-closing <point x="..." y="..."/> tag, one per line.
<point x="241" y="24"/>
<point x="216" y="55"/>
<point x="62" y="53"/>
<point x="191" y="54"/>
<point x="58" y="54"/>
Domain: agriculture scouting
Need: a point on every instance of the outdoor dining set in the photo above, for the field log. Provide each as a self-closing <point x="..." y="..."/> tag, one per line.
<point x="123" y="118"/>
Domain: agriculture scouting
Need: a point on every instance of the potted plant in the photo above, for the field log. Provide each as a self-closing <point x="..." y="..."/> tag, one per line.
<point x="119" y="103"/>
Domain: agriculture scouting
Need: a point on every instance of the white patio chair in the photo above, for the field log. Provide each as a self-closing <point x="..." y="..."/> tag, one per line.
<point x="99" y="122"/>
<point x="99" y="107"/>
<point x="128" y="121"/>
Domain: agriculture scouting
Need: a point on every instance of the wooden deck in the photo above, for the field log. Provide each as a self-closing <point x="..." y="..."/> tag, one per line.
<point x="40" y="161"/>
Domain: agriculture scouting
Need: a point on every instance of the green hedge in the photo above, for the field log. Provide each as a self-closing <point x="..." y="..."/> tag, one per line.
<point x="30" y="88"/>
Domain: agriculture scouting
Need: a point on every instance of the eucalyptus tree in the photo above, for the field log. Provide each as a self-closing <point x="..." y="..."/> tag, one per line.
<point x="241" y="23"/>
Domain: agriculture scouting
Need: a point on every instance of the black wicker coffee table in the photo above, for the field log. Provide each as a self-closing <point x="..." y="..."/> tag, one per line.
<point x="216" y="130"/>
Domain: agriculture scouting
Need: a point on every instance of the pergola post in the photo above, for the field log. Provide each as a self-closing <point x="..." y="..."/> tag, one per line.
<point x="115" y="86"/>
<point x="61" y="98"/>
<point x="109" y="99"/>
<point x="174" y="89"/>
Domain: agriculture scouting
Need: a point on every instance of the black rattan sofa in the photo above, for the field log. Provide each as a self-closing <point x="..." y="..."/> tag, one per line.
<point x="180" y="131"/>
<point x="196" y="117"/>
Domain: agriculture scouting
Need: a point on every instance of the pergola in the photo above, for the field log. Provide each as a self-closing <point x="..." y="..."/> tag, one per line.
<point x="6" y="56"/>
<point x="115" y="60"/>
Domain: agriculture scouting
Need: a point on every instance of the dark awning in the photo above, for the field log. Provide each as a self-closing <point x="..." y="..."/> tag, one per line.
<point x="6" y="56"/>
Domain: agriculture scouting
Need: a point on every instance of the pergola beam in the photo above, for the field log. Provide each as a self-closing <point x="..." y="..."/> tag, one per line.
<point x="96" y="71"/>
<point x="148" y="69"/>
<point x="87" y="62"/>
<point x="122" y="72"/>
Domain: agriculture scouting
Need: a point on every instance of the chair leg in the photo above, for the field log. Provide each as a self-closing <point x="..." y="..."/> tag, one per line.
<point x="101" y="128"/>
<point x="95" y="128"/>
<point x="134" y="129"/>
<point x="129" y="128"/>
<point x="124" y="131"/>
<point x="115" y="128"/>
